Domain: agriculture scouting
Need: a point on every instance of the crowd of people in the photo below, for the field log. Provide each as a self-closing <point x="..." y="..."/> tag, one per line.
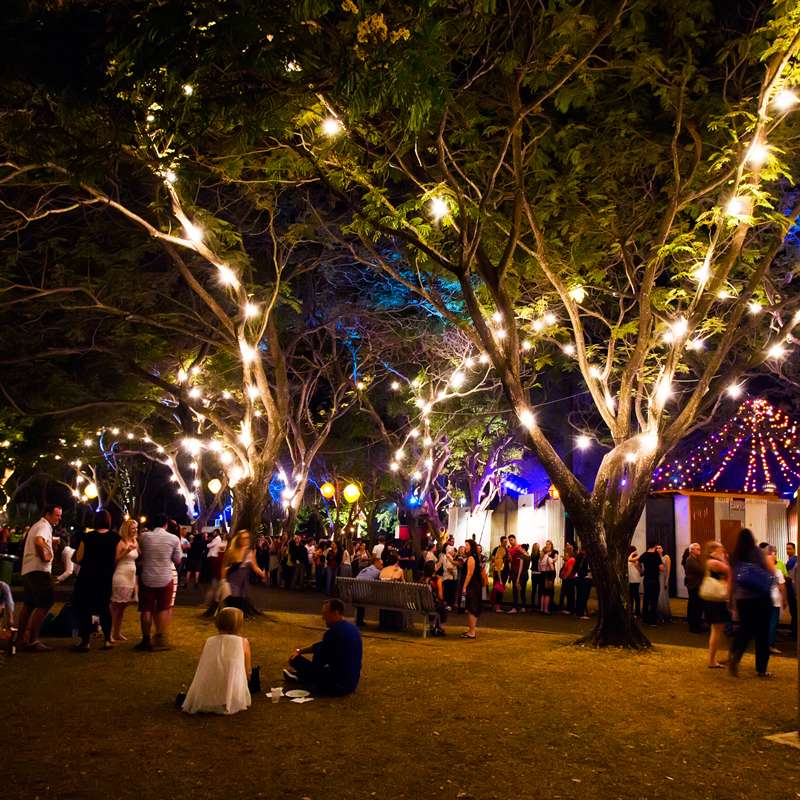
<point x="741" y="594"/>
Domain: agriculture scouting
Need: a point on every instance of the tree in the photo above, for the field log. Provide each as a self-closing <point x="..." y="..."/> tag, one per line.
<point x="613" y="185"/>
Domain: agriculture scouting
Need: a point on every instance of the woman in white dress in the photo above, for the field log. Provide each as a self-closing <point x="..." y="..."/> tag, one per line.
<point x="124" y="589"/>
<point x="220" y="682"/>
<point x="664" y="610"/>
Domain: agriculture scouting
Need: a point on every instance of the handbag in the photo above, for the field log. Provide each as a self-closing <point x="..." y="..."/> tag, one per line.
<point x="754" y="578"/>
<point x="499" y="587"/>
<point x="713" y="590"/>
<point x="254" y="681"/>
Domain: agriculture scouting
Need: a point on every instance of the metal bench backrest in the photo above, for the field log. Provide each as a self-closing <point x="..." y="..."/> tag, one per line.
<point x="414" y="597"/>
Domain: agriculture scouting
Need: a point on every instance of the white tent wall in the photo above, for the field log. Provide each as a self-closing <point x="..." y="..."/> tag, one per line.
<point x="682" y="540"/>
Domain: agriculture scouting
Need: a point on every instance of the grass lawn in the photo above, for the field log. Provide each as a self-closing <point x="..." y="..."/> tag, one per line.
<point x="513" y="714"/>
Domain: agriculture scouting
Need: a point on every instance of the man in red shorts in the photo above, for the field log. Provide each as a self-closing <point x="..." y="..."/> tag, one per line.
<point x="159" y="550"/>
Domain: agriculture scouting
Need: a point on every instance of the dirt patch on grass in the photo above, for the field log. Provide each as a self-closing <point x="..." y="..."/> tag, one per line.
<point x="513" y="714"/>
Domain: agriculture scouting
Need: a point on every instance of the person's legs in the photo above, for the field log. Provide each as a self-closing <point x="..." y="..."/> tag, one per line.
<point x="146" y="622"/>
<point x="83" y="615"/>
<point x="104" y="612"/>
<point x="360" y="615"/>
<point x="650" y="611"/>
<point x="523" y="588"/>
<point x="569" y="594"/>
<point x="714" y="638"/>
<point x="515" y="595"/>
<point x="636" y="600"/>
<point x="117" y="612"/>
<point x="747" y="611"/>
<point x="472" y="624"/>
<point x="791" y="599"/>
<point x="762" y="634"/>
<point x="774" y="619"/>
<point x="25" y="612"/>
<point x="694" y="611"/>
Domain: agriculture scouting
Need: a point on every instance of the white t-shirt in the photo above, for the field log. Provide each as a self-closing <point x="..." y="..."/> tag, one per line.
<point x="30" y="558"/>
<point x="215" y="547"/>
<point x="377" y="551"/>
<point x="779" y="581"/>
<point x="67" y="562"/>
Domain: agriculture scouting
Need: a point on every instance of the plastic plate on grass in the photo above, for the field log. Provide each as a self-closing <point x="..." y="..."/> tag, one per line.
<point x="297" y="693"/>
<point x="301" y="700"/>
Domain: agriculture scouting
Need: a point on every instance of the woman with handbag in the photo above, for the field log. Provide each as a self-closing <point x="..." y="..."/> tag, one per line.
<point x="752" y="587"/>
<point x="715" y="593"/>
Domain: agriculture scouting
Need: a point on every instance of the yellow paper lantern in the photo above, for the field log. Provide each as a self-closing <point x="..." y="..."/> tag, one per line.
<point x="327" y="490"/>
<point x="351" y="493"/>
<point x="91" y="491"/>
<point x="214" y="485"/>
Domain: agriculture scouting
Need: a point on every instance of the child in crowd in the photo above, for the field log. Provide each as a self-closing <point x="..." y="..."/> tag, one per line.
<point x="220" y="682"/>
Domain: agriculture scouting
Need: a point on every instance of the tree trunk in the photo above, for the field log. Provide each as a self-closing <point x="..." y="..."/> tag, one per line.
<point x="616" y="626"/>
<point x="249" y="502"/>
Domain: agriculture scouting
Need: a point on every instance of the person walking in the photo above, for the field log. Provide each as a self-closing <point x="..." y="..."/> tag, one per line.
<point x="124" y="585"/>
<point x="777" y="595"/>
<point x="37" y="580"/>
<point x="97" y="556"/>
<point x="161" y="554"/>
<point x="194" y="562"/>
<point x="652" y="567"/>
<point x="333" y="559"/>
<point x="752" y="589"/>
<point x="474" y="581"/>
<point x="499" y="567"/>
<point x="634" y="581"/>
<point x="716" y="597"/>
<point x="433" y="581"/>
<point x="520" y="568"/>
<point x="693" y="566"/>
<point x="238" y="564"/>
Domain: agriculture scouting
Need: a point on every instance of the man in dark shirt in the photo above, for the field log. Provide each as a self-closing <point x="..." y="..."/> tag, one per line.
<point x="652" y="567"/>
<point x="336" y="664"/>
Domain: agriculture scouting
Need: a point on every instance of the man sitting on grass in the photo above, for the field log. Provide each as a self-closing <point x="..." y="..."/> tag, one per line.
<point x="336" y="664"/>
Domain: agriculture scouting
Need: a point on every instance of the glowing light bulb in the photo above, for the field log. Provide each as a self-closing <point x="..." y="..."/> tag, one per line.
<point x="248" y="353"/>
<point x="227" y="276"/>
<point x="192" y="446"/>
<point x="457" y="379"/>
<point x="115" y="431"/>
<point x="469" y="363"/>
<point x="182" y="375"/>
<point x="331" y="126"/>
<point x="252" y="391"/>
<point x="438" y="208"/>
<point x="757" y="154"/>
<point x="680" y="326"/>
<point x="526" y="344"/>
<point x="214" y="446"/>
<point x="399" y="455"/>
<point x="663" y="391"/>
<point x="429" y="462"/>
<point x="497" y="317"/>
<point x="695" y="344"/>
<point x="583" y="442"/>
<point x="226" y="457"/>
<point x="413" y="433"/>
<point x="595" y="372"/>
<point x="538" y="325"/>
<point x="568" y="349"/>
<point x="188" y="89"/>
<point x="395" y="386"/>
<point x="419" y="403"/>
<point x="226" y="395"/>
<point x="577" y="293"/>
<point x="245" y="436"/>
<point x="738" y="207"/>
<point x="129" y="436"/>
<point x="195" y="392"/>
<point x="500" y="333"/>
<point x="360" y="385"/>
<point x="250" y="309"/>
<point x="754" y="307"/>
<point x="649" y="442"/>
<point x="630" y="457"/>
<point x="735" y="391"/>
<point x="87" y="442"/>
<point x="776" y="351"/>
<point x="784" y="100"/>
<point x="394" y="466"/>
<point x="194" y="233"/>
<point x="527" y="418"/>
<point x="723" y="294"/>
<point x="550" y="318"/>
<point x="427" y="441"/>
<point x="702" y="273"/>
<point x="484" y="358"/>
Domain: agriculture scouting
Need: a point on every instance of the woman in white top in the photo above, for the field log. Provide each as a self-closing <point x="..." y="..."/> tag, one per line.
<point x="220" y="682"/>
<point x="124" y="585"/>
<point x="346" y="567"/>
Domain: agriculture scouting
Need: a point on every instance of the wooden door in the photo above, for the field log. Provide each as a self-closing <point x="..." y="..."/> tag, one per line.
<point x="728" y="532"/>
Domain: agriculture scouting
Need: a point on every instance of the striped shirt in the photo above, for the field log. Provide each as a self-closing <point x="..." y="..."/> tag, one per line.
<point x="159" y="551"/>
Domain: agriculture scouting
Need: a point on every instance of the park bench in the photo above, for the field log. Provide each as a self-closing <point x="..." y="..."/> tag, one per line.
<point x="410" y="598"/>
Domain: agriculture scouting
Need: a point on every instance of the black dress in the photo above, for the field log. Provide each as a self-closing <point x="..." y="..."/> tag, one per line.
<point x="92" y="593"/>
<point x="716" y="612"/>
<point x="474" y="590"/>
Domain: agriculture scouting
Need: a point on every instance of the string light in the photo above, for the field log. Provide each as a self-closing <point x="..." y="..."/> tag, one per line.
<point x="248" y="353"/>
<point x="550" y="318"/>
<point x="754" y="307"/>
<point x="192" y="446"/>
<point x="457" y="379"/>
<point x="227" y="276"/>
<point x="776" y="351"/>
<point x="194" y="233"/>
<point x="438" y="208"/>
<point x="182" y="375"/>
<point x="195" y="392"/>
<point x="395" y="386"/>
<point x="394" y="466"/>
<point x="252" y="391"/>
<point x="577" y="293"/>
<point x="115" y="431"/>
<point x="757" y="154"/>
<point x="702" y="273"/>
<point x="527" y="344"/>
<point x="527" y="418"/>
<point x="723" y="294"/>
<point x="583" y="442"/>
<point x="331" y="126"/>
<point x="87" y="442"/>
<point x="188" y="89"/>
<point x="250" y="309"/>
<point x="784" y="100"/>
<point x="738" y="207"/>
<point x="568" y="349"/>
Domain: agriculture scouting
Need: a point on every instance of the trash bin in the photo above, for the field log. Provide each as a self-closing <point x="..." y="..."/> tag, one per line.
<point x="7" y="567"/>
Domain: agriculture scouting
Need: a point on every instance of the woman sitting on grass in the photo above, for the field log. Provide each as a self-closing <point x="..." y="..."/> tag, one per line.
<point x="220" y="682"/>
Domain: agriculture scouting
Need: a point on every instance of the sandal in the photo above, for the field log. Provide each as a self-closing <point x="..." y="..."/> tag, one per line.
<point x="467" y="636"/>
<point x="716" y="666"/>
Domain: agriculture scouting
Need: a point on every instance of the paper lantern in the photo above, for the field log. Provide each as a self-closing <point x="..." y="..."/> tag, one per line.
<point x="91" y="491"/>
<point x="214" y="485"/>
<point x="351" y="493"/>
<point x="327" y="490"/>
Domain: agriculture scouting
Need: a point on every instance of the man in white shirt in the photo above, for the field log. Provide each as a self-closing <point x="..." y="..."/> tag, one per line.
<point x="37" y="579"/>
<point x="159" y="550"/>
<point x="214" y="551"/>
<point x="377" y="551"/>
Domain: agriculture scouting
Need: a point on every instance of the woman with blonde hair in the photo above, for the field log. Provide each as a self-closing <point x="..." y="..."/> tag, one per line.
<point x="239" y="560"/>
<point x="715" y="593"/>
<point x="220" y="681"/>
<point x="124" y="587"/>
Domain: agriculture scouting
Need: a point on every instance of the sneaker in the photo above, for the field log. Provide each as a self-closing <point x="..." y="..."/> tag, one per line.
<point x="37" y="647"/>
<point x="585" y="616"/>
<point x="523" y="610"/>
<point x="513" y="611"/>
<point x="775" y="651"/>
<point x="763" y="674"/>
<point x="290" y="676"/>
